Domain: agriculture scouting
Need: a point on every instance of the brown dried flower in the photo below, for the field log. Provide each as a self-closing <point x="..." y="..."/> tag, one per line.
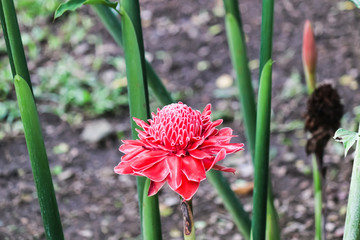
<point x="324" y="112"/>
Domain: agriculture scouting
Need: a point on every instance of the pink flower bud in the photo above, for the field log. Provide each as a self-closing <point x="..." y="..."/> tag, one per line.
<point x="309" y="53"/>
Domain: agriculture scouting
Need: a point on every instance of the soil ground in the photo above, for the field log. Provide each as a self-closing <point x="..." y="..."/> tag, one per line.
<point x="186" y="43"/>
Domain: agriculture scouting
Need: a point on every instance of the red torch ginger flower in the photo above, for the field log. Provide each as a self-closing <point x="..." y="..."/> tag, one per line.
<point x="178" y="146"/>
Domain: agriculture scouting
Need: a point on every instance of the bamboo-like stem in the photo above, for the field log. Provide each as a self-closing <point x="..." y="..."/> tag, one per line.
<point x="261" y="173"/>
<point x="13" y="41"/>
<point x="352" y="222"/>
<point x="132" y="8"/>
<point x="39" y="160"/>
<point x="189" y="227"/>
<point x="267" y="19"/>
<point x="318" y="198"/>
<point x="232" y="7"/>
<point x="139" y="108"/>
<point x="243" y="77"/>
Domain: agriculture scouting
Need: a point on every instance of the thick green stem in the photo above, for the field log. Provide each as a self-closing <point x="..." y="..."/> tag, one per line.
<point x="150" y="215"/>
<point x="232" y="7"/>
<point x="39" y="161"/>
<point x="243" y="77"/>
<point x="272" y="218"/>
<point x="267" y="19"/>
<point x="132" y="8"/>
<point x="261" y="173"/>
<point x="231" y="202"/>
<point x="14" y="44"/>
<point x="352" y="222"/>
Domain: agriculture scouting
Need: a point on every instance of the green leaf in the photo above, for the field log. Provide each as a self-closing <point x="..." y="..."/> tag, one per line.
<point x="72" y="5"/>
<point x="243" y="77"/>
<point x="39" y="161"/>
<point x="348" y="138"/>
<point x="357" y="3"/>
<point x="261" y="169"/>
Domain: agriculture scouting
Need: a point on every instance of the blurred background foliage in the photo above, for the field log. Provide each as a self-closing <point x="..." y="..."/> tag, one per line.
<point x="73" y="73"/>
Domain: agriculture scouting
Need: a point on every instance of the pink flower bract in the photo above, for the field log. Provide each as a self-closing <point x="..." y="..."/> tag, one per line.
<point x="178" y="146"/>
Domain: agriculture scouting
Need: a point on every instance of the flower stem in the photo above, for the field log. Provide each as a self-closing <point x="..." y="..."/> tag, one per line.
<point x="267" y="19"/>
<point x="189" y="227"/>
<point x="317" y="176"/>
<point x="352" y="222"/>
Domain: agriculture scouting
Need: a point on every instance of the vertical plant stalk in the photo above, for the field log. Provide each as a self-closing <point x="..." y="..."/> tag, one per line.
<point x="261" y="173"/>
<point x="318" y="198"/>
<point x="13" y="41"/>
<point x="232" y="7"/>
<point x="148" y="206"/>
<point x="231" y="202"/>
<point x="267" y="20"/>
<point x="112" y="23"/>
<point x="189" y="227"/>
<point x="39" y="160"/>
<point x="132" y="8"/>
<point x="240" y="64"/>
<point x="352" y="222"/>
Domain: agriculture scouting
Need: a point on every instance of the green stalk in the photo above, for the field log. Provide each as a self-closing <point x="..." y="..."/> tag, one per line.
<point x="39" y="161"/>
<point x="7" y="41"/>
<point x="132" y="8"/>
<point x="152" y="225"/>
<point x="14" y="44"/>
<point x="267" y="19"/>
<point x="352" y="222"/>
<point x="112" y="23"/>
<point x="261" y="171"/>
<point x="317" y="176"/>
<point x="240" y="63"/>
<point x="232" y="7"/>
<point x="272" y="218"/>
<point x="139" y="108"/>
<point x="231" y="202"/>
